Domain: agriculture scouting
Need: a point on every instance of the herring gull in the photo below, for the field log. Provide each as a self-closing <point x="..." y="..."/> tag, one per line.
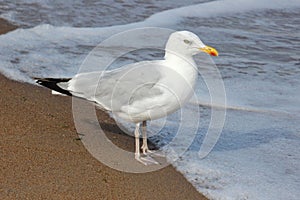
<point x="141" y="91"/>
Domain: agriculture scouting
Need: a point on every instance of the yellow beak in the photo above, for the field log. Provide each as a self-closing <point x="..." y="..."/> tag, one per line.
<point x="209" y="50"/>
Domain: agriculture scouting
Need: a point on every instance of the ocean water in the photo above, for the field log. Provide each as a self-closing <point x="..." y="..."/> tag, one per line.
<point x="257" y="155"/>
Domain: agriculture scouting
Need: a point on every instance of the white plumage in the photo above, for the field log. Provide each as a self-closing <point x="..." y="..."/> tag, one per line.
<point x="145" y="90"/>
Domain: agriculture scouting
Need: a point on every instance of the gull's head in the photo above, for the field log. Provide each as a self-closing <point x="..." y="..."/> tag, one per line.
<point x="188" y="44"/>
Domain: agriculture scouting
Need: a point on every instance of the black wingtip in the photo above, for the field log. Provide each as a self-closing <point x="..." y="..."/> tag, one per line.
<point x="51" y="83"/>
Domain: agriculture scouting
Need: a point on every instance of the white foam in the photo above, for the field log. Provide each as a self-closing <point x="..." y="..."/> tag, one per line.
<point x="217" y="8"/>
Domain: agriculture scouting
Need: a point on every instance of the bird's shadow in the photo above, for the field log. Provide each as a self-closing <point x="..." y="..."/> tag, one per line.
<point x="113" y="132"/>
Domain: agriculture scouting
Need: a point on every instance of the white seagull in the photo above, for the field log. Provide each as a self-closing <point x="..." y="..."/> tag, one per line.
<point x="141" y="91"/>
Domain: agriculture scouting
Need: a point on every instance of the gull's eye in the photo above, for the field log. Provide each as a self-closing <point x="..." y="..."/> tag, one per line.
<point x="187" y="41"/>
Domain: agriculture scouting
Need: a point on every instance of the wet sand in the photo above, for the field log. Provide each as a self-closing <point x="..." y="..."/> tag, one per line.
<point x="41" y="156"/>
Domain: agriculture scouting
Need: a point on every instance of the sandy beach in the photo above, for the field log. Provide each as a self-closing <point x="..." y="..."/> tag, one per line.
<point x="42" y="158"/>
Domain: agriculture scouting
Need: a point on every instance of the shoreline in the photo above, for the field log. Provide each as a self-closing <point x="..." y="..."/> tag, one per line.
<point x="41" y="156"/>
<point x="5" y="26"/>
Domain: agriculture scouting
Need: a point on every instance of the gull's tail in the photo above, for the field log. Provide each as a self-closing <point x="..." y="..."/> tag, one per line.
<point x="52" y="83"/>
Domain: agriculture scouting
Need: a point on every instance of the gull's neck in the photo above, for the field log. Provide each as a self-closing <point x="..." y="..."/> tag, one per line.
<point x="184" y="65"/>
<point x="180" y="62"/>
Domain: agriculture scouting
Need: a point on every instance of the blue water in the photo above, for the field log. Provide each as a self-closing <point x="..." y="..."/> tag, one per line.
<point x="257" y="155"/>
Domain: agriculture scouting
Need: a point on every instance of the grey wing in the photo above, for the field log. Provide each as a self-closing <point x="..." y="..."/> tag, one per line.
<point x="117" y="88"/>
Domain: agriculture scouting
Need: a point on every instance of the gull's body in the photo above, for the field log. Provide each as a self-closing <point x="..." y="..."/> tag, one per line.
<point x="141" y="91"/>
